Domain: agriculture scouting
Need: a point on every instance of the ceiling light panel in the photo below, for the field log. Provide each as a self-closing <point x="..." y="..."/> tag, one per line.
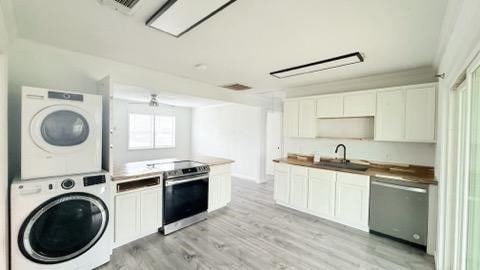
<point x="339" y="61"/>
<point x="176" y="17"/>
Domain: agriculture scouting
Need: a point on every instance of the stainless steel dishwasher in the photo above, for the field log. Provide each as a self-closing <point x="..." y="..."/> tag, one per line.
<point x="399" y="209"/>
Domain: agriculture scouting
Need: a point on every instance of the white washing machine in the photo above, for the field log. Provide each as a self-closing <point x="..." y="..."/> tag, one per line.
<point x="61" y="133"/>
<point x="61" y="222"/>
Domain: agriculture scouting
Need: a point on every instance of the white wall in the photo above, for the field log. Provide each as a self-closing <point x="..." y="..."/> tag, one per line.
<point x="408" y="153"/>
<point x="232" y="131"/>
<point x="183" y="123"/>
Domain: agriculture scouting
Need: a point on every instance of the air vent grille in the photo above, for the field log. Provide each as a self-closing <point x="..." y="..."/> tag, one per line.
<point x="126" y="7"/>
<point x="127" y="3"/>
<point x="237" y="87"/>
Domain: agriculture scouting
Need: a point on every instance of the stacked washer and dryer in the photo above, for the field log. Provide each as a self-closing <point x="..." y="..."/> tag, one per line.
<point x="59" y="209"/>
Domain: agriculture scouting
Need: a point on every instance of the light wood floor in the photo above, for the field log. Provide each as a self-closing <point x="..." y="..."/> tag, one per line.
<point x="254" y="233"/>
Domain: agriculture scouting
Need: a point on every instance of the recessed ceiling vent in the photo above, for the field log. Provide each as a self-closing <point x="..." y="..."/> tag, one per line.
<point x="124" y="6"/>
<point x="237" y="87"/>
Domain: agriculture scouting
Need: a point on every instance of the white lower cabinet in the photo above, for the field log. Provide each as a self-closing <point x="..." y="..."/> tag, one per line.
<point x="281" y="184"/>
<point x="137" y="213"/>
<point x="219" y="187"/>
<point x="127" y="217"/>
<point x="298" y="187"/>
<point x="337" y="196"/>
<point x="321" y="192"/>
<point x="150" y="217"/>
<point x="352" y="200"/>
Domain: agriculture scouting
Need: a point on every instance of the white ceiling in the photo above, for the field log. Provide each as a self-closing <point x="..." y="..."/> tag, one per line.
<point x="248" y="39"/>
<point x="136" y="94"/>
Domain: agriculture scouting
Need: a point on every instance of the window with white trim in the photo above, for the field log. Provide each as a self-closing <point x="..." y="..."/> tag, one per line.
<point x="149" y="131"/>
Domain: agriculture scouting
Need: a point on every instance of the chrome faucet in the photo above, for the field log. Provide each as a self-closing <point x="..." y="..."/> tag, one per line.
<point x="344" y="152"/>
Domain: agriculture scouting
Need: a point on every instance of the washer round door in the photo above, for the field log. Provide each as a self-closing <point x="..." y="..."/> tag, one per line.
<point x="63" y="228"/>
<point x="62" y="129"/>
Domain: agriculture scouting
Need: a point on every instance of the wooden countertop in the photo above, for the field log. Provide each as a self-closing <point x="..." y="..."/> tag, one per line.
<point x="407" y="173"/>
<point x="138" y="169"/>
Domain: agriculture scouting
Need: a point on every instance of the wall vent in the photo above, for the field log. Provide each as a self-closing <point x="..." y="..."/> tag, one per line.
<point x="237" y="87"/>
<point x="123" y="6"/>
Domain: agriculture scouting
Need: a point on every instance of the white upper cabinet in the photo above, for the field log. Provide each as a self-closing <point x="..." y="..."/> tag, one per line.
<point x="390" y="118"/>
<point x="401" y="114"/>
<point x="406" y="114"/>
<point x="306" y="118"/>
<point x="330" y="106"/>
<point x="359" y="105"/>
<point x="300" y="118"/>
<point x="291" y="114"/>
<point x="420" y="114"/>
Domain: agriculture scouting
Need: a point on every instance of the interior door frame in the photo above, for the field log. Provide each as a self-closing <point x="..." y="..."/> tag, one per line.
<point x="280" y="134"/>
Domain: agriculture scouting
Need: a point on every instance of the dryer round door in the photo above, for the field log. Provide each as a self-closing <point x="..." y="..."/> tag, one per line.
<point x="62" y="129"/>
<point x="63" y="228"/>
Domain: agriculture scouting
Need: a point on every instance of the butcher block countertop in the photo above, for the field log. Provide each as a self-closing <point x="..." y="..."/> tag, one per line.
<point x="138" y="169"/>
<point x="408" y="173"/>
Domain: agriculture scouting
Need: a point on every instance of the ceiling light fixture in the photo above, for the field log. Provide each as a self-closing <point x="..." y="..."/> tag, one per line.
<point x="176" y="17"/>
<point x="339" y="61"/>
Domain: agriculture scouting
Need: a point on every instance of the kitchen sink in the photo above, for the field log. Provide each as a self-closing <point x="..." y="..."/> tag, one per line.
<point x="344" y="165"/>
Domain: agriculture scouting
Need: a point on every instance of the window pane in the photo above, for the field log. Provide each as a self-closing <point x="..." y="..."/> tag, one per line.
<point x="140" y="131"/>
<point x="164" y="131"/>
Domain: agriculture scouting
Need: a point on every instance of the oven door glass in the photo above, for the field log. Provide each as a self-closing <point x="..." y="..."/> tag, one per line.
<point x="185" y="200"/>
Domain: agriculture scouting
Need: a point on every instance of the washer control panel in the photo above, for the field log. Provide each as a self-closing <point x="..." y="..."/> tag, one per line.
<point x="94" y="180"/>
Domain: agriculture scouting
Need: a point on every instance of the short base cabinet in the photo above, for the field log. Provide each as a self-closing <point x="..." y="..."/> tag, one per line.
<point x="137" y="214"/>
<point x="321" y="193"/>
<point x="298" y="187"/>
<point x="352" y="193"/>
<point x="281" y="185"/>
<point x="219" y="187"/>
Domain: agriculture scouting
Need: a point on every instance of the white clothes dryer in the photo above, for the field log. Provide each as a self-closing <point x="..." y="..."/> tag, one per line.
<point x="61" y="133"/>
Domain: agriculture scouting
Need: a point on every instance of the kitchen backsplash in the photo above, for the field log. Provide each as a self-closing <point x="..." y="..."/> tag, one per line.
<point x="409" y="153"/>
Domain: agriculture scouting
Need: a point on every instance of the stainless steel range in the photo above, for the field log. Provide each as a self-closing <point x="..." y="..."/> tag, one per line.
<point x="185" y="194"/>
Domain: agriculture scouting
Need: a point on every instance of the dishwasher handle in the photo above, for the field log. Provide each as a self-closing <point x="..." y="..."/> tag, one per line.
<point x="412" y="189"/>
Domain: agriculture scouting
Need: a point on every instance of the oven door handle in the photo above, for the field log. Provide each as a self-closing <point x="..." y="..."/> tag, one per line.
<point x="169" y="183"/>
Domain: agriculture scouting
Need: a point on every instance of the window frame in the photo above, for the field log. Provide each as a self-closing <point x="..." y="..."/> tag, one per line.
<point x="153" y="133"/>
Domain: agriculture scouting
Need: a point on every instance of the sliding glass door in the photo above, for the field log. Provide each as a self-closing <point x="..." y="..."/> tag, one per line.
<point x="473" y="197"/>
